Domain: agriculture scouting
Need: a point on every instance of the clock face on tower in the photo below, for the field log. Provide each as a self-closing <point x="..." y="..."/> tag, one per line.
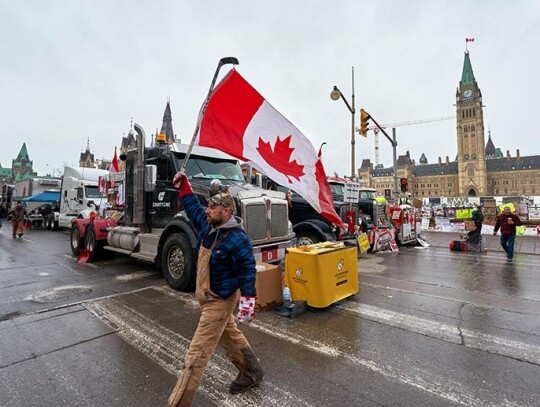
<point x="467" y="93"/>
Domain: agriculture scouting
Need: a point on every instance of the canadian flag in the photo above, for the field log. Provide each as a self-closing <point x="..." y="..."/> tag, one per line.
<point x="114" y="164"/>
<point x="241" y="123"/>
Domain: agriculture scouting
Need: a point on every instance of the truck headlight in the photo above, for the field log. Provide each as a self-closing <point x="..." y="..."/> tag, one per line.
<point x="289" y="228"/>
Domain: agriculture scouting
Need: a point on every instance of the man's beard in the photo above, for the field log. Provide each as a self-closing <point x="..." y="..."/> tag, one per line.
<point x="215" y="222"/>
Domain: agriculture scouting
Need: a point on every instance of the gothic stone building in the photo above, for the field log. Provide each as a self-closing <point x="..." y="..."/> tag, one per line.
<point x="479" y="168"/>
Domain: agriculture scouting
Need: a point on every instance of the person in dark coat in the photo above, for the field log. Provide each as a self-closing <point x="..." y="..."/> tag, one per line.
<point x="19" y="214"/>
<point x="225" y="277"/>
<point x="507" y="223"/>
<point x="478" y="218"/>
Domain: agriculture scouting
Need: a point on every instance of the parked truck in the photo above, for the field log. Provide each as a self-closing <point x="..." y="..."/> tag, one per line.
<point x="155" y="228"/>
<point x="309" y="226"/>
<point x="79" y="196"/>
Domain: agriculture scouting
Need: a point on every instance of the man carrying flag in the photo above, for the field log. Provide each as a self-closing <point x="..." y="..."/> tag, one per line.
<point x="241" y="123"/>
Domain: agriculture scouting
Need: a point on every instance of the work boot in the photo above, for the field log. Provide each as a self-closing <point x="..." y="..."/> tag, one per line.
<point x="243" y="383"/>
<point x="251" y="372"/>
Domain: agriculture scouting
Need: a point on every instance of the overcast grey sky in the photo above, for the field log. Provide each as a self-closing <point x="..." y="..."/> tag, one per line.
<point x="77" y="69"/>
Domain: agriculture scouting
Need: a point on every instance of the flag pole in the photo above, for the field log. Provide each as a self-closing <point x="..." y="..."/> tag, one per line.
<point x="222" y="61"/>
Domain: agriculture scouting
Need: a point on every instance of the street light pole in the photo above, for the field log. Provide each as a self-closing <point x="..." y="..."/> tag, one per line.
<point x="335" y="95"/>
<point x="353" y="130"/>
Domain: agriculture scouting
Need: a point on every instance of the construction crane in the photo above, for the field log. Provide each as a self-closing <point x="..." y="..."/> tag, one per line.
<point x="399" y="124"/>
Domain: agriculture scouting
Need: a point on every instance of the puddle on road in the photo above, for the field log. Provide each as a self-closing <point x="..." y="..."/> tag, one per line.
<point x="59" y="294"/>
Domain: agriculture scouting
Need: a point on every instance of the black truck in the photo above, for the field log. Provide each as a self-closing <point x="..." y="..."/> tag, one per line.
<point x="155" y="228"/>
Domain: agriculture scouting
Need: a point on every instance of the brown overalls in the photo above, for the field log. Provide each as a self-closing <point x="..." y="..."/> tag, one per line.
<point x="217" y="324"/>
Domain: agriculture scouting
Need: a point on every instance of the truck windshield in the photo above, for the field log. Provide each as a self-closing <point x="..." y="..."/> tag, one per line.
<point x="207" y="167"/>
<point x="92" y="192"/>
<point x="338" y="191"/>
<point x="367" y="194"/>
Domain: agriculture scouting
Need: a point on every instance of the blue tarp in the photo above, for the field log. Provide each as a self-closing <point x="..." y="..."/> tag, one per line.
<point x="47" y="196"/>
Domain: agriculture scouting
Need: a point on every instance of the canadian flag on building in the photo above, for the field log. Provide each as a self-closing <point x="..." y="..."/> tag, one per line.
<point x="240" y="122"/>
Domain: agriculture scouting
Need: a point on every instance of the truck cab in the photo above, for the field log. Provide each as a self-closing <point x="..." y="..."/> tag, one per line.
<point x="310" y="227"/>
<point x="372" y="210"/>
<point x="79" y="195"/>
<point x="155" y="227"/>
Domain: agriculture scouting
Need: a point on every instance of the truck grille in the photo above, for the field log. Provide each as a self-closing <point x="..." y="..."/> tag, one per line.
<point x="380" y="216"/>
<point x="255" y="221"/>
<point x="265" y="219"/>
<point x="279" y="219"/>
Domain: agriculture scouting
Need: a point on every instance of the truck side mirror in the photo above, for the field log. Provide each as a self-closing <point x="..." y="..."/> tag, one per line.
<point x="150" y="177"/>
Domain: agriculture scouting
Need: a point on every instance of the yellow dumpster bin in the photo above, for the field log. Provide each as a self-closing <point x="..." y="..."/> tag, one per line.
<point x="321" y="274"/>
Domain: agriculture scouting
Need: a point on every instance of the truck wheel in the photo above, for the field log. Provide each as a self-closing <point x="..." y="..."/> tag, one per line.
<point x="75" y="240"/>
<point x="177" y="263"/>
<point x="91" y="244"/>
<point x="304" y="239"/>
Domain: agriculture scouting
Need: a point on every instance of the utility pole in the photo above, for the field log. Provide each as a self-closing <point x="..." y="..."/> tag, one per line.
<point x="394" y="145"/>
<point x="392" y="140"/>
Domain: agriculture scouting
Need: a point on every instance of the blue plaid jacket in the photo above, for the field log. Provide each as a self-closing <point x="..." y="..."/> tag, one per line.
<point x="232" y="265"/>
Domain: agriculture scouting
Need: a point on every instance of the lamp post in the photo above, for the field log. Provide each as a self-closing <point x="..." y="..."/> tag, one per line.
<point x="335" y="95"/>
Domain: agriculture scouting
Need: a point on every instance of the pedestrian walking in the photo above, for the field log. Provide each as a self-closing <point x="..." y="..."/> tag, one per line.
<point x="19" y="215"/>
<point x="225" y="274"/>
<point x="507" y="222"/>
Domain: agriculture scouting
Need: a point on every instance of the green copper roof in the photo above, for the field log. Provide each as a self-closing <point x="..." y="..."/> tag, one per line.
<point x="23" y="153"/>
<point x="5" y="172"/>
<point x="467" y="77"/>
<point x="423" y="159"/>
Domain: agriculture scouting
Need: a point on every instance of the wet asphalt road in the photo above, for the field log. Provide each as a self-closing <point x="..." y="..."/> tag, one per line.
<point x="429" y="327"/>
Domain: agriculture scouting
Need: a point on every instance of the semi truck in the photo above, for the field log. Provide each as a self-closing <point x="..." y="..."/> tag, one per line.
<point x="79" y="196"/>
<point x="154" y="226"/>
<point x="311" y="227"/>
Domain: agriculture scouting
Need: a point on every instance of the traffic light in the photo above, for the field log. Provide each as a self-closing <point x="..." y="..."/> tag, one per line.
<point x="364" y="122"/>
<point x="403" y="182"/>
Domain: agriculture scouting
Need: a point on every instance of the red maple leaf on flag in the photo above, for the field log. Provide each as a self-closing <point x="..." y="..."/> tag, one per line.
<point x="279" y="157"/>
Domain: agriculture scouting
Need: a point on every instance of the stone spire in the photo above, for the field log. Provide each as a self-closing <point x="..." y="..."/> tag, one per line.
<point x="490" y="147"/>
<point x="166" y="127"/>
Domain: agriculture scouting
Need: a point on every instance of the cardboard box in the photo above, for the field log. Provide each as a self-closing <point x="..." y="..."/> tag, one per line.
<point x="321" y="274"/>
<point x="269" y="286"/>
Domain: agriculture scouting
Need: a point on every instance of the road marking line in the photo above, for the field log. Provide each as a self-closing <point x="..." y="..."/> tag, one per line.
<point x="134" y="276"/>
<point x="168" y="348"/>
<point x="408" y="374"/>
<point x="449" y="333"/>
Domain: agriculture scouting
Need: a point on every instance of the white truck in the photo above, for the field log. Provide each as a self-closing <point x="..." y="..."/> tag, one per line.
<point x="79" y="196"/>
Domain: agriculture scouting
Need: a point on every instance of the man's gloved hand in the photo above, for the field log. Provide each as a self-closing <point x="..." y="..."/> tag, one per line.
<point x="181" y="182"/>
<point x="246" y="310"/>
